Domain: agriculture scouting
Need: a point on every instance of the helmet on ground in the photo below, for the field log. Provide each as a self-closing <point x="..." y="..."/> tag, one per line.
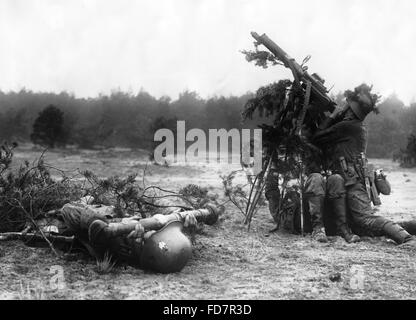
<point x="167" y="250"/>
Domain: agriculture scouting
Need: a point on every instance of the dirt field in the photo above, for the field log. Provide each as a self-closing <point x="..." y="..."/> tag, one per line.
<point x="228" y="262"/>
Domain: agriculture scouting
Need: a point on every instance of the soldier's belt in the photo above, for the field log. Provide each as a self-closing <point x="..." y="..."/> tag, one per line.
<point x="360" y="171"/>
<point x="349" y="172"/>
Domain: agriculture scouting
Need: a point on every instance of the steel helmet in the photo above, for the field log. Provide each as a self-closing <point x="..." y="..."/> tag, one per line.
<point x="362" y="101"/>
<point x="360" y="110"/>
<point x="167" y="250"/>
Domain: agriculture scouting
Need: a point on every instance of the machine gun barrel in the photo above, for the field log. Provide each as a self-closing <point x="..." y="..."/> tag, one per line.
<point x="319" y="91"/>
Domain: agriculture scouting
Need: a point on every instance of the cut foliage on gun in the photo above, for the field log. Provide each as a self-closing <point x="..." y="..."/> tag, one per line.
<point x="300" y="74"/>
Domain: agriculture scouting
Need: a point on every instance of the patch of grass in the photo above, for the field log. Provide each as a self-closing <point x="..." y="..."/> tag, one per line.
<point x="106" y="265"/>
<point x="35" y="292"/>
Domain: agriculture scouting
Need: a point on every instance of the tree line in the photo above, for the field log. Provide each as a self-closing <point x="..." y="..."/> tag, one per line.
<point x="125" y="119"/>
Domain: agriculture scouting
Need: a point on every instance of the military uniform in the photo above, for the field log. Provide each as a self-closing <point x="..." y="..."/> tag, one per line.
<point x="272" y="193"/>
<point x="155" y="243"/>
<point x="89" y="226"/>
<point x="314" y="195"/>
<point x="347" y="139"/>
<point x="324" y="197"/>
<point x="313" y="201"/>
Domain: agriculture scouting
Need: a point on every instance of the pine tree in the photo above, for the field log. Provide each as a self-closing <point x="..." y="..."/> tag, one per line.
<point x="48" y="128"/>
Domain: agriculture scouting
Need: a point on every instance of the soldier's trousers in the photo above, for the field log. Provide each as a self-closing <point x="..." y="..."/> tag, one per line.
<point x="313" y="210"/>
<point x="80" y="221"/>
<point x="317" y="186"/>
<point x="78" y="218"/>
<point x="272" y="194"/>
<point x="361" y="218"/>
<point x="314" y="195"/>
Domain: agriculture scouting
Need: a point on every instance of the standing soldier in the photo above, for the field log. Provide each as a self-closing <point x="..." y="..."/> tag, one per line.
<point x="346" y="142"/>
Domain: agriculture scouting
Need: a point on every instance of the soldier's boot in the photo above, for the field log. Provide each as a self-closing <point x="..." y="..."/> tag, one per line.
<point x="340" y="213"/>
<point x="316" y="207"/>
<point x="409" y="226"/>
<point x="398" y="234"/>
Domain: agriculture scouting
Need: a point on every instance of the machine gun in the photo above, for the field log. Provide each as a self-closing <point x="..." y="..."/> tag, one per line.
<point x="308" y="96"/>
<point x="316" y="92"/>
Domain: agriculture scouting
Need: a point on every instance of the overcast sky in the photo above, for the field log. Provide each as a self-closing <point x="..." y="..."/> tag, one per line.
<point x="166" y="46"/>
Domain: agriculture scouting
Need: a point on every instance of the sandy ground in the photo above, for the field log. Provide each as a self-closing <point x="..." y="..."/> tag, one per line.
<point x="228" y="261"/>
